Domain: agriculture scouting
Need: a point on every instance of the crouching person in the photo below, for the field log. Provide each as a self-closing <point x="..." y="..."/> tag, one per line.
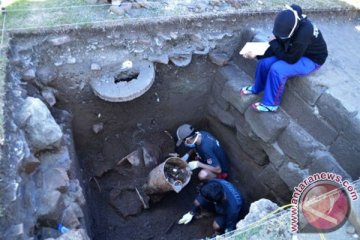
<point x="221" y="197"/>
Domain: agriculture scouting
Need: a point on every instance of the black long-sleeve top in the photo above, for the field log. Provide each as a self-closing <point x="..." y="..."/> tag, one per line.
<point x="307" y="41"/>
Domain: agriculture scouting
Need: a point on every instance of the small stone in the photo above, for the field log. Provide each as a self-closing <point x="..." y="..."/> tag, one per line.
<point x="29" y="75"/>
<point x="126" y="6"/>
<point x="136" y="5"/>
<point x="56" y="179"/>
<point x="173" y="35"/>
<point x="181" y="60"/>
<point x="164" y="59"/>
<point x="47" y="74"/>
<point x="219" y="59"/>
<point x="30" y="164"/>
<point x="214" y="2"/>
<point x="49" y="96"/>
<point x="117" y="10"/>
<point x="235" y="3"/>
<point x="116" y="2"/>
<point x="350" y="230"/>
<point x="58" y="63"/>
<point x="57" y="41"/>
<point x="95" y="67"/>
<point x="15" y="231"/>
<point x="71" y="60"/>
<point x="98" y="127"/>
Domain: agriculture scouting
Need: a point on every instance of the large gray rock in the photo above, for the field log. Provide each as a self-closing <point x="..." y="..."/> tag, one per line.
<point x="257" y="211"/>
<point x="162" y="58"/>
<point x="241" y="124"/>
<point x="75" y="192"/>
<point x="55" y="159"/>
<point x="71" y="216"/>
<point x="276" y="155"/>
<point x="342" y="118"/>
<point x="307" y="89"/>
<point x="180" y="59"/>
<point x="15" y="232"/>
<point x="270" y="177"/>
<point x="345" y="164"/>
<point x="352" y="130"/>
<point x="46" y="74"/>
<point x="292" y="174"/>
<point x="41" y="129"/>
<point x="231" y="72"/>
<point x="216" y="90"/>
<point x="298" y="144"/>
<point x="223" y="116"/>
<point x="253" y="149"/>
<point x="267" y="126"/>
<point x="219" y="59"/>
<point x="79" y="234"/>
<point x="309" y="118"/>
<point x="231" y="93"/>
<point x="50" y="206"/>
<point x="29" y="163"/>
<point x="55" y="179"/>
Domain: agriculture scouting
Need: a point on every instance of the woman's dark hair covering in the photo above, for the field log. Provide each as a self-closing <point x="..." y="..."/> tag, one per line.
<point x="287" y="21"/>
<point x="212" y="191"/>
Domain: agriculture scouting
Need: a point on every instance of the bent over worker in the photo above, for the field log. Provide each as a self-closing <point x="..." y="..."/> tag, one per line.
<point x="297" y="48"/>
<point x="221" y="197"/>
<point x="212" y="159"/>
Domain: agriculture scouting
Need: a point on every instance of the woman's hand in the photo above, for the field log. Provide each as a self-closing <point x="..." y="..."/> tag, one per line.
<point x="249" y="55"/>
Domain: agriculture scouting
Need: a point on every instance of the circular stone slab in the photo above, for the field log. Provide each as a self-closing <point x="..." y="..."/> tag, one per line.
<point x="132" y="80"/>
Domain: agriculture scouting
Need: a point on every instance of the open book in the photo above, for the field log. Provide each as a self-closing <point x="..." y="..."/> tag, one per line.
<point x="258" y="48"/>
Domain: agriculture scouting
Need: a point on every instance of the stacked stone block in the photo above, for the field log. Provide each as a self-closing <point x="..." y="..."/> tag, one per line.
<point x="306" y="136"/>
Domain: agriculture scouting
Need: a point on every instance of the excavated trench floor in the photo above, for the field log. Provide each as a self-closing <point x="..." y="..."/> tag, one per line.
<point x="115" y="210"/>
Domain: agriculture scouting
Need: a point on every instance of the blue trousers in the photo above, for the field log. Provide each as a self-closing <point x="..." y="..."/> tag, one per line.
<point x="271" y="75"/>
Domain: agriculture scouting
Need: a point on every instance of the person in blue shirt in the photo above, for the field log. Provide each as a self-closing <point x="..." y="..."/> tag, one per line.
<point x="221" y="197"/>
<point x="212" y="159"/>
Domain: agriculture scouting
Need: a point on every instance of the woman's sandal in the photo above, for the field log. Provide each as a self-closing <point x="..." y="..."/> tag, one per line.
<point x="246" y="91"/>
<point x="259" y="107"/>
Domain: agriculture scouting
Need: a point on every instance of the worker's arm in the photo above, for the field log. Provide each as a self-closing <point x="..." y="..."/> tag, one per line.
<point x="210" y="168"/>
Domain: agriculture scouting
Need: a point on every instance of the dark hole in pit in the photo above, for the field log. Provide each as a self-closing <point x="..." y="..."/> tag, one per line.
<point x="126" y="76"/>
<point x="184" y="95"/>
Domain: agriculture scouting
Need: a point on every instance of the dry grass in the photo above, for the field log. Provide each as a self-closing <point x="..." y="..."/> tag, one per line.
<point x="51" y="13"/>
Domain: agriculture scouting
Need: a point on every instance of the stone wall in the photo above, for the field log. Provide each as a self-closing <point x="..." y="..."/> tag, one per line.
<point x="314" y="130"/>
<point x="44" y="190"/>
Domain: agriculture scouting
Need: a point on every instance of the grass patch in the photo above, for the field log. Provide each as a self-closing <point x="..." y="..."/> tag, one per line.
<point x="52" y="13"/>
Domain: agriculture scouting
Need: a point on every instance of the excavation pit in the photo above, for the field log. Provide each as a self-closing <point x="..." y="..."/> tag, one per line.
<point x="201" y="88"/>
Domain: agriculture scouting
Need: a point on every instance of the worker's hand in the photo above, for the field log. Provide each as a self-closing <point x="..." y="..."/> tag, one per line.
<point x="186" y="218"/>
<point x="249" y="55"/>
<point x="193" y="164"/>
